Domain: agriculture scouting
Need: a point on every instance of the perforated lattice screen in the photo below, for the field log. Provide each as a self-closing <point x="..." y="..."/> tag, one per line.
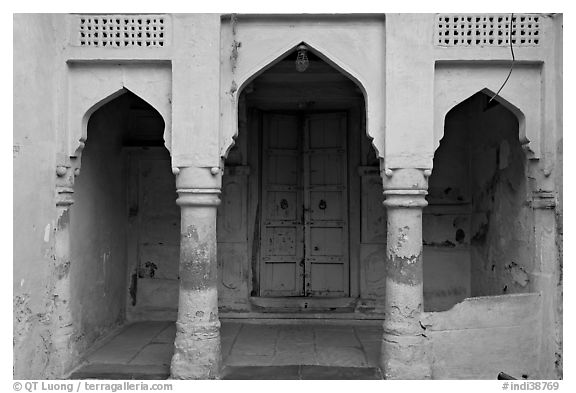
<point x="487" y="30"/>
<point x="118" y="31"/>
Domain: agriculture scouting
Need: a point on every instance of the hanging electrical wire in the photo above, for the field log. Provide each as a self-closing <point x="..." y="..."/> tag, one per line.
<point x="513" y="59"/>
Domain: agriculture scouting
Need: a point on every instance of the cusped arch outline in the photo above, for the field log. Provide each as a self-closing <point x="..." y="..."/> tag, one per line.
<point x="77" y="152"/>
<point x="275" y="57"/>
<point x="455" y="100"/>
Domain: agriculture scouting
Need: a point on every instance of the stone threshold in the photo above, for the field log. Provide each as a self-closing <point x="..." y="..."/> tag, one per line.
<point x="277" y="317"/>
<point x="303" y="319"/>
<point x="300" y="372"/>
<point x="115" y="372"/>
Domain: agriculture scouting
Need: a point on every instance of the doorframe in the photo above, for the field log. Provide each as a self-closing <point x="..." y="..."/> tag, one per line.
<point x="355" y="133"/>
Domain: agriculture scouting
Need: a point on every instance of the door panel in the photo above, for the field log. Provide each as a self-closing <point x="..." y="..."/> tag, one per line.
<point x="326" y="168"/>
<point x="282" y="230"/>
<point x="282" y="205"/>
<point x="326" y="206"/>
<point x="281" y="279"/>
<point x="282" y="167"/>
<point x="304" y="243"/>
<point x="328" y="278"/>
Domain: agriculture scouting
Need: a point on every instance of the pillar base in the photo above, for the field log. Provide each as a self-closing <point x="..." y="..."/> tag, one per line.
<point x="405" y="357"/>
<point x="196" y="352"/>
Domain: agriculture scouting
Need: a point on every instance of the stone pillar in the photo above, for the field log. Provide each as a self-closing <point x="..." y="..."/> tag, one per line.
<point x="404" y="354"/>
<point x="546" y="280"/>
<point x="197" y="344"/>
<point x="64" y="353"/>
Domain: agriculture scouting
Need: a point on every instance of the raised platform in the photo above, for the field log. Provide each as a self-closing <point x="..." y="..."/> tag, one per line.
<point x="143" y="350"/>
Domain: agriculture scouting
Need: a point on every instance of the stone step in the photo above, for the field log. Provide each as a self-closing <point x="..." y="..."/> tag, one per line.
<point x="121" y="371"/>
<point x="301" y="372"/>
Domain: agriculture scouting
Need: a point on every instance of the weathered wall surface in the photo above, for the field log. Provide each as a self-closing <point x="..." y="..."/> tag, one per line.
<point x="262" y="41"/>
<point x="483" y="336"/>
<point x="200" y="65"/>
<point x="502" y="226"/>
<point x="559" y="173"/>
<point x="153" y="237"/>
<point x="446" y="220"/>
<point x="34" y="275"/>
<point x="98" y="228"/>
<point x="478" y="227"/>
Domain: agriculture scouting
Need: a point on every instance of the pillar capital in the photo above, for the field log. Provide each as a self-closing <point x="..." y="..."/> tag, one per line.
<point x="409" y="180"/>
<point x="198" y="197"/>
<point x="404" y="199"/>
<point x="192" y="177"/>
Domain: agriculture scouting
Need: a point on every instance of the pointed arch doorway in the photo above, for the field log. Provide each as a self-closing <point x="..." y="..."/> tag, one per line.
<point x="302" y="137"/>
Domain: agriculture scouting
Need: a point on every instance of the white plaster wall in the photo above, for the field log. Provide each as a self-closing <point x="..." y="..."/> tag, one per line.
<point x="455" y="82"/>
<point x="41" y="96"/>
<point x="481" y="337"/>
<point x="93" y="85"/>
<point x="354" y="45"/>
<point x="409" y="71"/>
<point x="98" y="229"/>
<point x="34" y="138"/>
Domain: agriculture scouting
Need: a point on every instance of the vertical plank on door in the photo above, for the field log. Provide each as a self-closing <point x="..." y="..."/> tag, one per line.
<point x="281" y="239"/>
<point x="326" y="205"/>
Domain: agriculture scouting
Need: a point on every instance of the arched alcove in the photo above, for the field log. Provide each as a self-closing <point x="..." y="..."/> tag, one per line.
<point x="301" y="217"/>
<point x="477" y="227"/>
<point x="124" y="223"/>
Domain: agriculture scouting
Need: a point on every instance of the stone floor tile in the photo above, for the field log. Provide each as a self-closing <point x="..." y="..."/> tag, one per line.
<point x="125" y="371"/>
<point x="252" y="348"/>
<point x="167" y="335"/>
<point x="229" y="329"/>
<point x="339" y="373"/>
<point x="339" y="338"/>
<point x="255" y="340"/>
<point x="368" y="333"/>
<point x="296" y="334"/>
<point x="294" y="357"/>
<point x="235" y="359"/>
<point x="124" y="346"/>
<point x="372" y="352"/>
<point x="341" y="356"/>
<point x="258" y="332"/>
<point x="155" y="354"/>
<point x="261" y="373"/>
<point x="226" y="345"/>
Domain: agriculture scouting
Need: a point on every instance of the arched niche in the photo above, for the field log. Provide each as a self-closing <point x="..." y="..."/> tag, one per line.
<point x="454" y="83"/>
<point x="477" y="227"/>
<point x="262" y="45"/>
<point x="91" y="86"/>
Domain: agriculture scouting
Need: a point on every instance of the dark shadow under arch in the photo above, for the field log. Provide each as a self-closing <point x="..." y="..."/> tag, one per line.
<point x="288" y="53"/>
<point x="476" y="227"/>
<point x="111" y="98"/>
<point x="117" y="215"/>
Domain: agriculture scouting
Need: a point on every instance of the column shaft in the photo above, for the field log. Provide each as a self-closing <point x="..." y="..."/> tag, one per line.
<point x="197" y="344"/>
<point x="64" y="352"/>
<point x="404" y="343"/>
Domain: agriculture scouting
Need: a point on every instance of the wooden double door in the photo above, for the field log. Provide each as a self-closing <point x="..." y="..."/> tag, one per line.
<point x="304" y="201"/>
